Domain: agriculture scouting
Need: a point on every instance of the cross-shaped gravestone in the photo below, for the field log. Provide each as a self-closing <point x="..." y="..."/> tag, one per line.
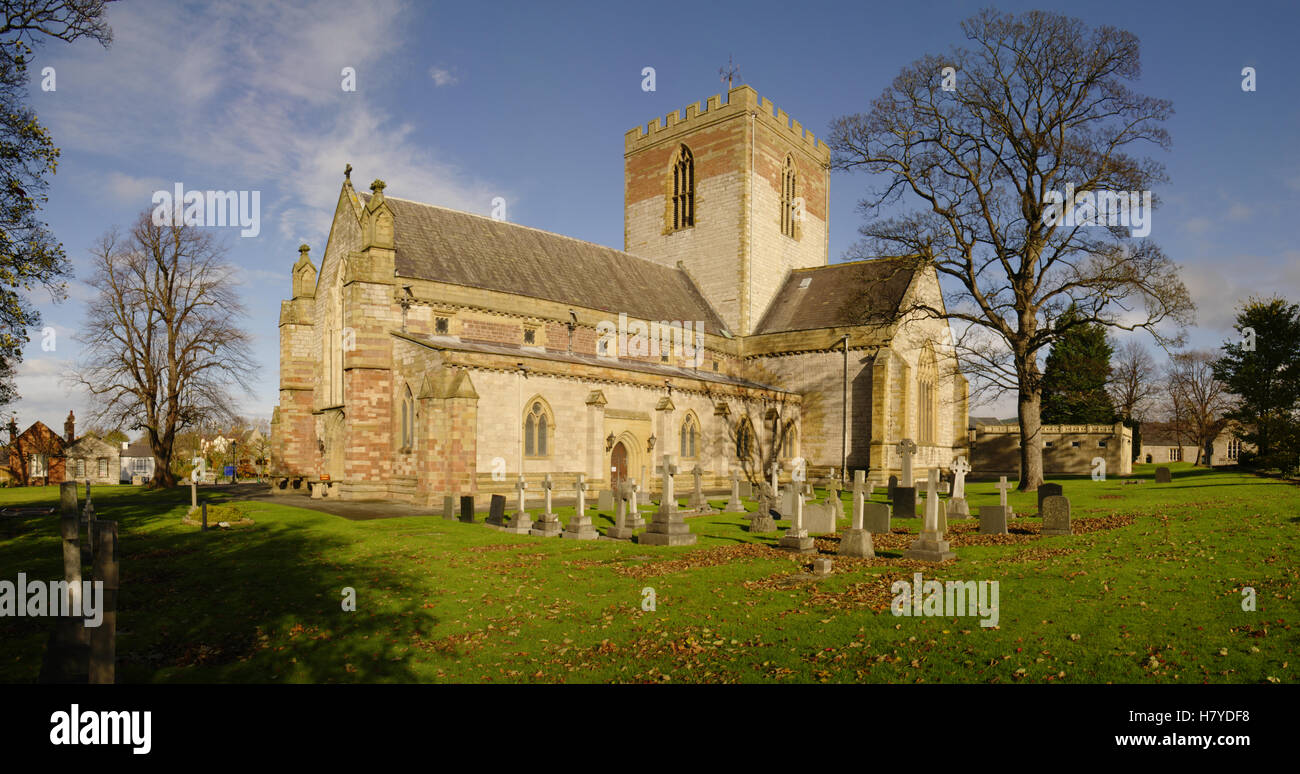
<point x="932" y="500"/>
<point x="776" y="469"/>
<point x="734" y="505"/>
<point x="634" y="510"/>
<point x="859" y="496"/>
<point x="796" y="538"/>
<point x="833" y="489"/>
<point x="521" y="523"/>
<point x="698" y="503"/>
<point x="960" y="467"/>
<point x="1003" y="486"/>
<point x="548" y="524"/>
<point x="547" y="486"/>
<point x="906" y="450"/>
<point x="668" y="501"/>
<point x="580" y="526"/>
<point x="623" y="528"/>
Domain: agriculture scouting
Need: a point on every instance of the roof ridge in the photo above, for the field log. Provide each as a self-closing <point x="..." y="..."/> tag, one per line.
<point x="534" y="228"/>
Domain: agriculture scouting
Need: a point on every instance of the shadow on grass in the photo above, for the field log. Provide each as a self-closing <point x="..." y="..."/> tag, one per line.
<point x="242" y="605"/>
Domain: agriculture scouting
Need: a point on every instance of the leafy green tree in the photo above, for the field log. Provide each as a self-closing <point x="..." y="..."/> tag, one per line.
<point x="1262" y="371"/>
<point x="1076" y="375"/>
<point x="29" y="253"/>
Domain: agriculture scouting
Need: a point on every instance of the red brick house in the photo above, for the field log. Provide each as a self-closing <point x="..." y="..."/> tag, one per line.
<point x="38" y="456"/>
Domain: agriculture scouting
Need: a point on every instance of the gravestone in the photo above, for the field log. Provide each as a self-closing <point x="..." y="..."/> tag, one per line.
<point x="957" y="507"/>
<point x="761" y="521"/>
<point x="698" y="504"/>
<point x="605" y="501"/>
<point x="796" y="538"/>
<point x="623" y="529"/>
<point x="746" y="489"/>
<point x="1056" y="516"/>
<point x="667" y="528"/>
<point x="1045" y="491"/>
<point x="449" y="507"/>
<point x="548" y="523"/>
<point x="580" y="526"/>
<point x="856" y="541"/>
<point x="1164" y="475"/>
<point x="734" y="505"/>
<point x="942" y="514"/>
<point x="521" y="523"/>
<point x="875" y="517"/>
<point x="930" y="546"/>
<point x="634" y="518"/>
<point x="467" y="508"/>
<point x="819" y="518"/>
<point x="1002" y="488"/>
<point x="904" y="502"/>
<point x="822" y="565"/>
<point x="497" y="511"/>
<point x="893" y="484"/>
<point x="906" y="450"/>
<point x="993" y="519"/>
<point x="833" y="489"/>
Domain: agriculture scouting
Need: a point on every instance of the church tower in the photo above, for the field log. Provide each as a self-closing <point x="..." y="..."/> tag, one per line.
<point x="736" y="193"/>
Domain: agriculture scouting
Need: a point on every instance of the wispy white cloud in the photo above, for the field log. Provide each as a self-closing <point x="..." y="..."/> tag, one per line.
<point x="443" y="77"/>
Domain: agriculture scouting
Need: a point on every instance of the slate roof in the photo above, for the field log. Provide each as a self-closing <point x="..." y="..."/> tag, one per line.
<point x="460" y="248"/>
<point x="457" y="344"/>
<point x="137" y="449"/>
<point x="1159" y="434"/>
<point x="837" y="295"/>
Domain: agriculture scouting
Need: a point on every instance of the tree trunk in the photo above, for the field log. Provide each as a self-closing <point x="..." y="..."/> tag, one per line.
<point x="1031" y="444"/>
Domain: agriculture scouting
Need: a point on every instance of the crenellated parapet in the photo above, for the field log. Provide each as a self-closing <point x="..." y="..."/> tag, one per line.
<point x="740" y="100"/>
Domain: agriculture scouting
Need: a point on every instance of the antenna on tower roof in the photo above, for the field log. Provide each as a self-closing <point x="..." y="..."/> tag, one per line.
<point x="729" y="72"/>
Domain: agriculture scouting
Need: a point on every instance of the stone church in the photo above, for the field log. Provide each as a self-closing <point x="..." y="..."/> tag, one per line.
<point x="437" y="352"/>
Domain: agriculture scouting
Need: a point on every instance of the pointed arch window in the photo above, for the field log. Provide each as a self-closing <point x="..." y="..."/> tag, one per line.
<point x="790" y="213"/>
<point x="690" y="430"/>
<point x="928" y="397"/>
<point x="408" y="418"/>
<point x="537" y="430"/>
<point x="683" y="189"/>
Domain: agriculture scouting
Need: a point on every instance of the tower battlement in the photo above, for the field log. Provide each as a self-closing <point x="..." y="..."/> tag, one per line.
<point x="740" y="100"/>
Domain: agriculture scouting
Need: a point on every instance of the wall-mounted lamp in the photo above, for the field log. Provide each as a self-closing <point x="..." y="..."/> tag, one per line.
<point x="609" y="442"/>
<point x="650" y="445"/>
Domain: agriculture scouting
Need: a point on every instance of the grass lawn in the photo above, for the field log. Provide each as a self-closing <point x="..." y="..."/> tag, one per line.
<point x="1149" y="589"/>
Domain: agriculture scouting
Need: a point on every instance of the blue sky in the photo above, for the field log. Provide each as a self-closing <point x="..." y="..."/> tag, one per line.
<point x="457" y="103"/>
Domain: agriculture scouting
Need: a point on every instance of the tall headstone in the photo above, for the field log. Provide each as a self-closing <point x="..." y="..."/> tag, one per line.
<point x="467" y="508"/>
<point x="667" y="528"/>
<point x="889" y="489"/>
<point x="622" y="529"/>
<point x="761" y="521"/>
<point x="580" y="526"/>
<point x="521" y="523"/>
<point x="1048" y="490"/>
<point x="497" y="511"/>
<point x="856" y="541"/>
<point x="1056" y="516"/>
<point x="993" y="519"/>
<point x="1163" y="475"/>
<point x="905" y="502"/>
<point x="634" y="519"/>
<point x="698" y="504"/>
<point x="833" y="489"/>
<point x="776" y="485"/>
<point x="906" y="450"/>
<point x="547" y="524"/>
<point x="1002" y="488"/>
<point x="957" y="507"/>
<point x="449" y="507"/>
<point x="930" y="546"/>
<point x="796" y="538"/>
<point x="734" y="505"/>
<point x="605" y="500"/>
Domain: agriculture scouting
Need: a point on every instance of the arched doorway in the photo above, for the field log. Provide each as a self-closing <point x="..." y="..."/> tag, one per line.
<point x="617" y="465"/>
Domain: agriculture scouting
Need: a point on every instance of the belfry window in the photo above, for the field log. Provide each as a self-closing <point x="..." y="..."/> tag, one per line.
<point x="790" y="210"/>
<point x="683" y="190"/>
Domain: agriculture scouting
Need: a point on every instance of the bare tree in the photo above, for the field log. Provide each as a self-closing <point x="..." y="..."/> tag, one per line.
<point x="1040" y="103"/>
<point x="1195" y="401"/>
<point x="1132" y="380"/>
<point x="162" y="339"/>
